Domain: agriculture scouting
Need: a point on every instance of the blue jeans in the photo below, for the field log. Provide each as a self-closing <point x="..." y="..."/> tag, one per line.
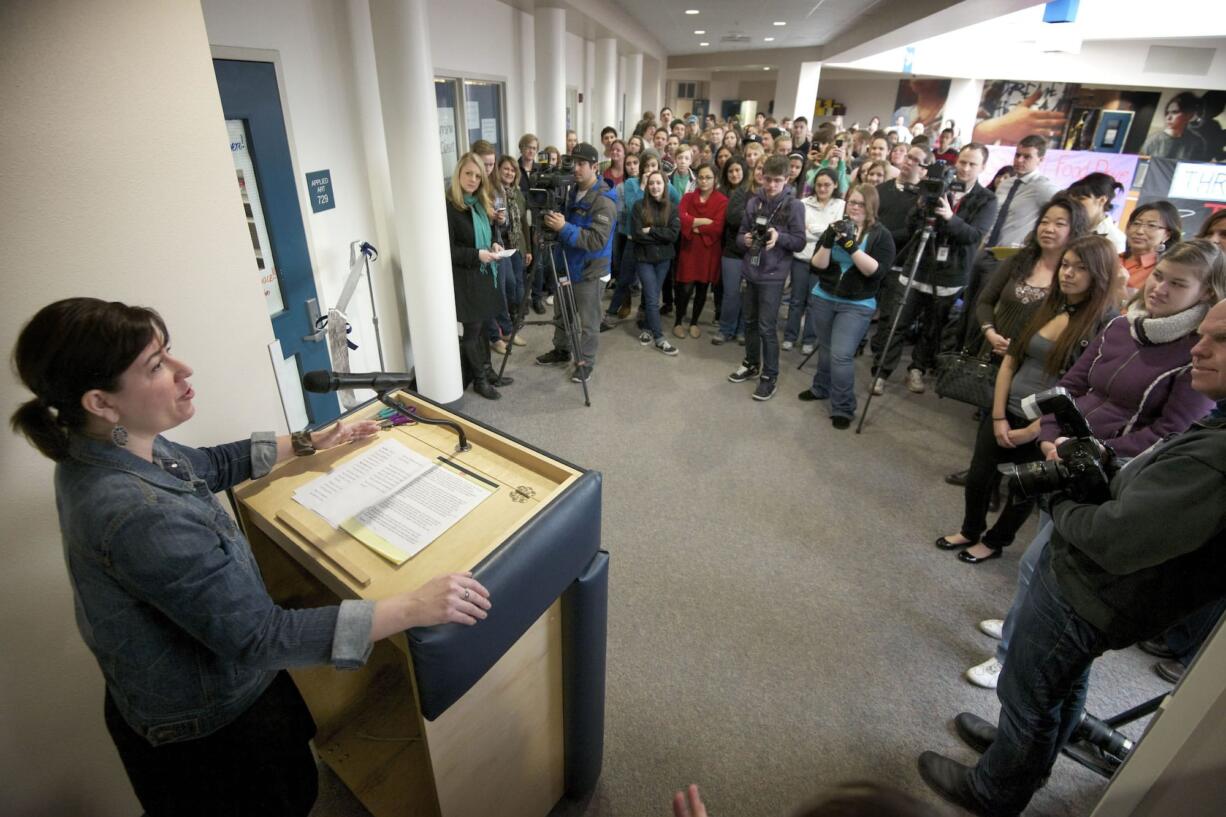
<point x="652" y="276"/>
<point x="839" y="329"/>
<point x="798" y="306"/>
<point x="1042" y="694"/>
<point x="623" y="273"/>
<point x="1025" y="572"/>
<point x="762" y="325"/>
<point x="731" y="322"/>
<point x="511" y="284"/>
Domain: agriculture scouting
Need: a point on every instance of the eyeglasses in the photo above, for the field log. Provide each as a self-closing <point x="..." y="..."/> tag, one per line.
<point x="1148" y="226"/>
<point x="856" y="202"/>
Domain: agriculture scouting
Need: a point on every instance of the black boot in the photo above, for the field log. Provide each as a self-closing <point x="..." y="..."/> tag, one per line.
<point x="482" y="387"/>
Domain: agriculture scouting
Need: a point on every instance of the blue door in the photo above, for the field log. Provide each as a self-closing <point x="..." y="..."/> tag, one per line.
<point x="252" y="106"/>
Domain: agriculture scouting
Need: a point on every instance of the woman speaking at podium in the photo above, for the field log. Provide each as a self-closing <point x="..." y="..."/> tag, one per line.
<point x="167" y="593"/>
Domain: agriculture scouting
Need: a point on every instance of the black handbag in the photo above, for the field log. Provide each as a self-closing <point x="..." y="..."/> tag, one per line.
<point x="967" y="379"/>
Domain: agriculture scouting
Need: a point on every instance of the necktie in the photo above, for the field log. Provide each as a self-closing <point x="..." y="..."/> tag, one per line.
<point x="994" y="236"/>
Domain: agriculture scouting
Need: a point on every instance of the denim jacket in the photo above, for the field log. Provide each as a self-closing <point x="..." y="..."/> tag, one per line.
<point x="167" y="593"/>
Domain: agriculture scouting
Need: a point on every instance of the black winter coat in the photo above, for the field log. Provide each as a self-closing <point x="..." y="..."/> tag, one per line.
<point x="956" y="240"/>
<point x="659" y="244"/>
<point x="476" y="296"/>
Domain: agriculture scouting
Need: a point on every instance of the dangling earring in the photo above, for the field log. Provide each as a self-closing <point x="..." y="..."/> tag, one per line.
<point x="1161" y="247"/>
<point x="119" y="436"/>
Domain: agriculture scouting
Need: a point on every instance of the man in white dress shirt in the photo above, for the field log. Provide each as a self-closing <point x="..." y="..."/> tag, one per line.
<point x="1021" y="197"/>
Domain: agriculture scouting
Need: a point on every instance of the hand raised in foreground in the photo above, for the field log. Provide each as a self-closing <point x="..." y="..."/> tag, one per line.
<point x="688" y="803"/>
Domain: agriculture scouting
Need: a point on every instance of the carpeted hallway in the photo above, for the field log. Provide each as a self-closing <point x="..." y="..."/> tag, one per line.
<point x="779" y="618"/>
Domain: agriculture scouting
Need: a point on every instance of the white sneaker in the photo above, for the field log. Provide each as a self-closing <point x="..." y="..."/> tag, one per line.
<point x="549" y="300"/>
<point x="915" y="381"/>
<point x="878" y="386"/>
<point x="787" y="345"/>
<point x="993" y="627"/>
<point x="807" y="349"/>
<point x="986" y="674"/>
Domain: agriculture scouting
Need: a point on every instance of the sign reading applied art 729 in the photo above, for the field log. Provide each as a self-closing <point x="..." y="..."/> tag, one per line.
<point x="319" y="188"/>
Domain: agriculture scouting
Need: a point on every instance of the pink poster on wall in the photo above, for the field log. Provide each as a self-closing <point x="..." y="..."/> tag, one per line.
<point x="1067" y="166"/>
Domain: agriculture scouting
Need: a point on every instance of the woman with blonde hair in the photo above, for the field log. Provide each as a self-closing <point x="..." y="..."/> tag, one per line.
<point x="474" y="268"/>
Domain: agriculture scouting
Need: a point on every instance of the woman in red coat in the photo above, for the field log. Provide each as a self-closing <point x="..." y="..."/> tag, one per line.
<point x="702" y="228"/>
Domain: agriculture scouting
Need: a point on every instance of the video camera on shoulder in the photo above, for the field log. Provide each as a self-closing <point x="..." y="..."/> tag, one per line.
<point x="1085" y="467"/>
<point x="940" y="181"/>
<point x="549" y="189"/>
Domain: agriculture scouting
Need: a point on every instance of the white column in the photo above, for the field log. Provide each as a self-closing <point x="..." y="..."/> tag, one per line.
<point x="620" y="99"/>
<point x="606" y="84"/>
<point x="589" y="93"/>
<point x="410" y="119"/>
<point x="527" y="75"/>
<point x="634" y="90"/>
<point x="652" y="99"/>
<point x="806" y="90"/>
<point x="550" y="44"/>
<point x="397" y="352"/>
<point x="962" y="106"/>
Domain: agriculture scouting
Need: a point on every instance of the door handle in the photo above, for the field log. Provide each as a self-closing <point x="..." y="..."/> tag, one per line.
<point x="312" y="308"/>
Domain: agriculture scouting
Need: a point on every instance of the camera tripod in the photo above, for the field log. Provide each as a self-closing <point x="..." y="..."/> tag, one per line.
<point x="564" y="294"/>
<point x="1099" y="746"/>
<point x="925" y="236"/>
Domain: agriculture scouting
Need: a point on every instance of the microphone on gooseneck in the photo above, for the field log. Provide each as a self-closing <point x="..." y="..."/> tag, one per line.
<point x="323" y="381"/>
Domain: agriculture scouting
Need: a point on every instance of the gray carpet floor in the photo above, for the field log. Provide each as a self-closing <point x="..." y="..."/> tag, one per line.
<point x="778" y="616"/>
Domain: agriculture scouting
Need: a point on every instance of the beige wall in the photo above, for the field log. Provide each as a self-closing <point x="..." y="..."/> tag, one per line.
<point x="119" y="185"/>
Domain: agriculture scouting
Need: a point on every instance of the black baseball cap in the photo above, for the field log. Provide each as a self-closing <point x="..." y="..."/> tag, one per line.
<point x="585" y="153"/>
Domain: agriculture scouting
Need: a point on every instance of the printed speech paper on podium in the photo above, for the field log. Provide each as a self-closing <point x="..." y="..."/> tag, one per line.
<point x="413" y="517"/>
<point x="363" y="481"/>
<point x="392" y="499"/>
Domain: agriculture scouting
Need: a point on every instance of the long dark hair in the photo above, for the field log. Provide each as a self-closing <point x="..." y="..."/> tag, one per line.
<point x="1020" y="263"/>
<point x="69" y="348"/>
<point x="1100" y="258"/>
<point x="656" y="213"/>
<point x="725" y="186"/>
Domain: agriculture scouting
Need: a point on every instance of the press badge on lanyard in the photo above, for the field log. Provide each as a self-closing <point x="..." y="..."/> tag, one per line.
<point x="942" y="253"/>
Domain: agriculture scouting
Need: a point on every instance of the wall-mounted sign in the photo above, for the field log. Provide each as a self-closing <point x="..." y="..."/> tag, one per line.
<point x="319" y="189"/>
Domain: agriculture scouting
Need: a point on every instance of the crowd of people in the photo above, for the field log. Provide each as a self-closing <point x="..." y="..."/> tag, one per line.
<point x="824" y="228"/>
<point x="1131" y="324"/>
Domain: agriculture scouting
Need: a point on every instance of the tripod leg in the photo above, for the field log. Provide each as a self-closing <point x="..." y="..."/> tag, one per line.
<point x="898" y="310"/>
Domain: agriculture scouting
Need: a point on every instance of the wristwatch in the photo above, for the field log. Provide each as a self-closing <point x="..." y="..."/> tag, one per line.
<point x="301" y="441"/>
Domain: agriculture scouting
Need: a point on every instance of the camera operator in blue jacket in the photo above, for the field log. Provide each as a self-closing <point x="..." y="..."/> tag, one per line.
<point x="585" y="238"/>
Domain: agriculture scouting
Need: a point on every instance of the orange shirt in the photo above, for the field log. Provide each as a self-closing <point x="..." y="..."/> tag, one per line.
<point x="1138" y="268"/>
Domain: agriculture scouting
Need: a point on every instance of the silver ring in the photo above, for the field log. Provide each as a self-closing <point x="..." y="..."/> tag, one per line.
<point x="465" y="594"/>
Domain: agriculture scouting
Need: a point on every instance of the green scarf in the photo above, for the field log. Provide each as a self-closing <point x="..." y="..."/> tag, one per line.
<point x="482" y="234"/>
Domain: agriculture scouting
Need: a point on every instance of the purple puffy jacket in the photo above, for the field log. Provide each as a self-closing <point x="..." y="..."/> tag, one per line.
<point x="1133" y="392"/>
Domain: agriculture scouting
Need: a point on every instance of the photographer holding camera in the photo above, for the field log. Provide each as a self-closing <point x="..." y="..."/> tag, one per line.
<point x="585" y="236"/>
<point x="1116" y="573"/>
<point x="960" y="217"/>
<point x="772" y="228"/>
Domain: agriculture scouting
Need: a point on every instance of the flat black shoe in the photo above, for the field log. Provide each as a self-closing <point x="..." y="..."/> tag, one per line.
<point x="945" y="544"/>
<point x="538" y="306"/>
<point x="493" y="379"/>
<point x="949" y="779"/>
<point x="808" y="396"/>
<point x="966" y="556"/>
<point x="974" y="731"/>
<point x="841" y="423"/>
<point x="957" y="478"/>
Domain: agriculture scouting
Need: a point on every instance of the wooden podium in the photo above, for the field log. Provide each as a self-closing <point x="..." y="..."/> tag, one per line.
<point x="505" y="717"/>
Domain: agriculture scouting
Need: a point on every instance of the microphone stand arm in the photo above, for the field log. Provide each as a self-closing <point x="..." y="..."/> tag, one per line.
<point x="462" y="446"/>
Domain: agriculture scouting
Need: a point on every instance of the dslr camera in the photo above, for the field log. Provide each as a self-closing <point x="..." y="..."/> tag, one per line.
<point x="940" y="181"/>
<point x="549" y="189"/>
<point x="759" y="234"/>
<point x="1085" y="467"/>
